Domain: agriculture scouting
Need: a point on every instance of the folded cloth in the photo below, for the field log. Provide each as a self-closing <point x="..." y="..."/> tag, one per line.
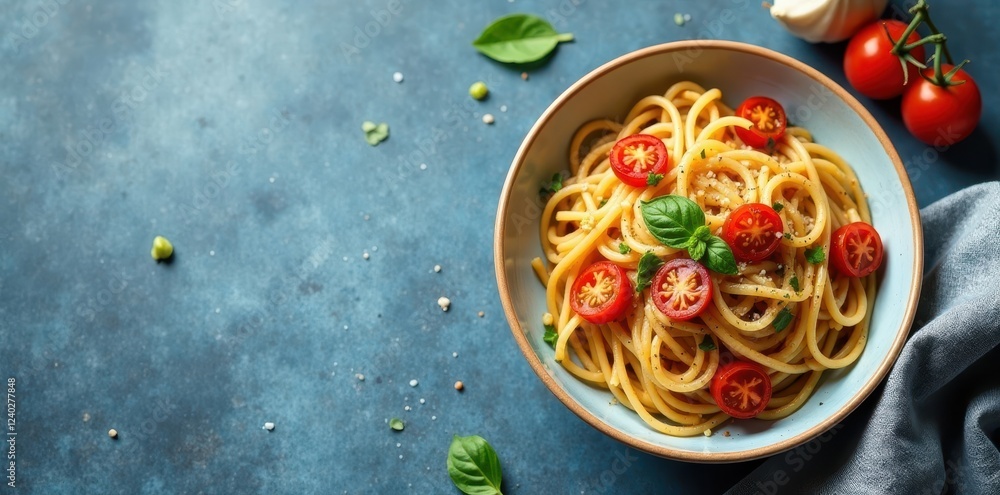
<point x="934" y="427"/>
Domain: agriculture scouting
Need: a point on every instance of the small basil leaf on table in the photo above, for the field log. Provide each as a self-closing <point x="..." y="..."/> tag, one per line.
<point x="473" y="466"/>
<point x="519" y="39"/>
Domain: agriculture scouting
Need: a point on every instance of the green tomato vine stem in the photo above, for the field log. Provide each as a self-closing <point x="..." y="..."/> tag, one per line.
<point x="921" y="15"/>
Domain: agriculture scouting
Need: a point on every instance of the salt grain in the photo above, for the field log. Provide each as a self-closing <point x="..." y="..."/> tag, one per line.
<point x="113" y="433"/>
<point x="360" y="377"/>
<point x="269" y="426"/>
<point x="488" y="118"/>
<point x="437" y="268"/>
<point x="398" y="77"/>
<point x="444" y="302"/>
<point x="413" y="383"/>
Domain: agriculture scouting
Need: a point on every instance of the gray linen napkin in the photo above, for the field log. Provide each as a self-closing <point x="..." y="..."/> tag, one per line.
<point x="934" y="427"/>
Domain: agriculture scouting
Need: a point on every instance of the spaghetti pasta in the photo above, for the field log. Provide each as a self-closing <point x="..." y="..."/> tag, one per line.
<point x="660" y="367"/>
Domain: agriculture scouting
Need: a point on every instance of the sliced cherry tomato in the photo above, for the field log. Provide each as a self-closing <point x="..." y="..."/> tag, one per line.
<point x="769" y="121"/>
<point x="941" y="116"/>
<point x="856" y="249"/>
<point x="634" y="157"/>
<point x="602" y="293"/>
<point x="753" y="231"/>
<point x="681" y="289"/>
<point x="870" y="66"/>
<point x="741" y="389"/>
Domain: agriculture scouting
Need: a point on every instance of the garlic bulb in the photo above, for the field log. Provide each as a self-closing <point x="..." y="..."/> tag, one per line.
<point x="826" y="20"/>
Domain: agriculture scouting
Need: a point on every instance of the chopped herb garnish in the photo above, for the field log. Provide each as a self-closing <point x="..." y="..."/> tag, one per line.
<point x="778" y="206"/>
<point x="787" y="236"/>
<point x="648" y="265"/>
<point x="375" y="133"/>
<point x="815" y="255"/>
<point x="770" y="143"/>
<point x="782" y="320"/>
<point x="702" y="154"/>
<point x="396" y="424"/>
<point x="551" y="336"/>
<point x="707" y="344"/>
<point x="653" y="179"/>
<point x="794" y="282"/>
<point x="603" y="202"/>
<point x="624" y="248"/>
<point x="557" y="182"/>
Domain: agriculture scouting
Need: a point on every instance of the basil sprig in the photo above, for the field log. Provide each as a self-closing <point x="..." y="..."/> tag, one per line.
<point x="519" y="39"/>
<point x="679" y="223"/>
<point x="474" y="466"/>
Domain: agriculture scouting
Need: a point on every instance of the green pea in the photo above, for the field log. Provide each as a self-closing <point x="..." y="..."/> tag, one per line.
<point x="162" y="249"/>
<point x="478" y="90"/>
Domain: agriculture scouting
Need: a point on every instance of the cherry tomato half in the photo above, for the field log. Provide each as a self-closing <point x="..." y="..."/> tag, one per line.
<point x="870" y="66"/>
<point x="856" y="249"/>
<point x="634" y="157"/>
<point x="601" y="293"/>
<point x="741" y="389"/>
<point x="753" y="231"/>
<point x="769" y="121"/>
<point x="941" y="116"/>
<point x="681" y="289"/>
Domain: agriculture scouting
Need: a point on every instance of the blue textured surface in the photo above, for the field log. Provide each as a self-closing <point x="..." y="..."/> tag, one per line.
<point x="232" y="127"/>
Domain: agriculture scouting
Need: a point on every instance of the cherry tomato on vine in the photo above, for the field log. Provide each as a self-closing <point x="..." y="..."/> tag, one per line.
<point x="741" y="389"/>
<point x="753" y="231"/>
<point x="681" y="289"/>
<point x="634" y="157"/>
<point x="769" y="121"/>
<point x="942" y="116"/>
<point x="870" y="66"/>
<point x="601" y="293"/>
<point x="856" y="249"/>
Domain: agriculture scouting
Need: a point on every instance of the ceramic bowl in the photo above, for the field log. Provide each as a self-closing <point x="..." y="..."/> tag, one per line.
<point x="812" y="100"/>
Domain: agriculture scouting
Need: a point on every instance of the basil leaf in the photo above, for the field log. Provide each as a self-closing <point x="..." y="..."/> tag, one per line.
<point x="815" y="255"/>
<point x="550" y="336"/>
<point x="697" y="249"/>
<point x="624" y="248"/>
<point x="672" y="219"/>
<point x="782" y="320"/>
<point x="794" y="282"/>
<point x="473" y="466"/>
<point x="719" y="258"/>
<point x="707" y="344"/>
<point x="648" y="265"/>
<point x="519" y="39"/>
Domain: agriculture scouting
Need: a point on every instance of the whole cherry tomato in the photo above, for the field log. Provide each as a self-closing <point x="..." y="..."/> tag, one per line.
<point x="872" y="69"/>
